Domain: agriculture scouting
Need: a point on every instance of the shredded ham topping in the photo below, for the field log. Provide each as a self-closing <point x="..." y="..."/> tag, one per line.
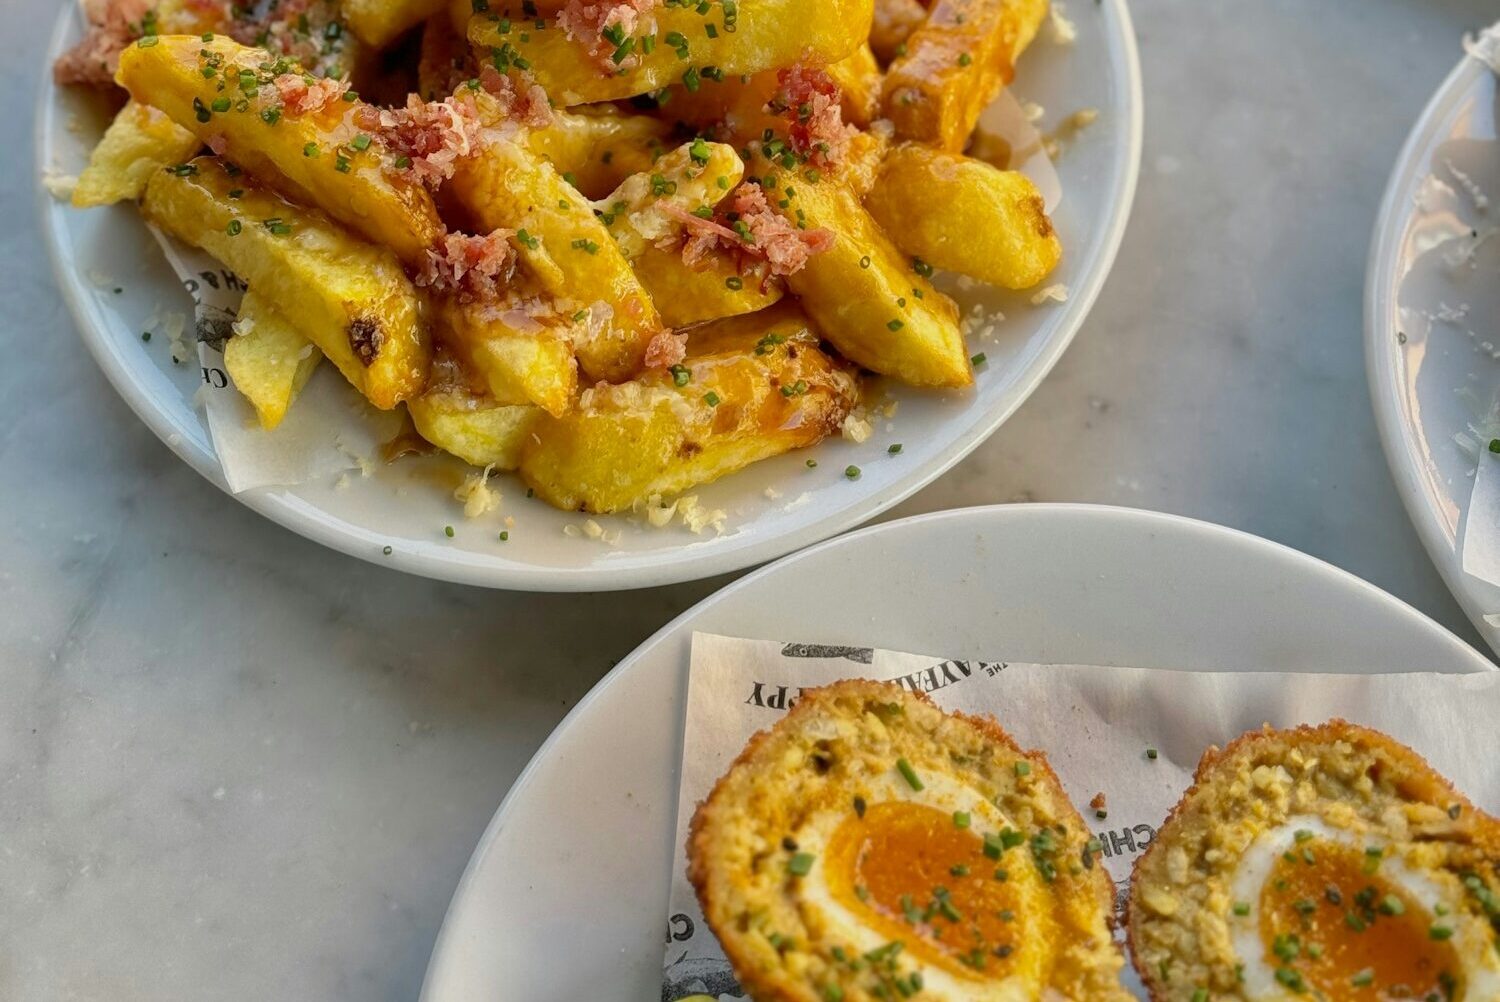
<point x="474" y="269"/>
<point x="524" y="101"/>
<point x="666" y="350"/>
<point x="434" y="135"/>
<point x="113" y="25"/>
<point x="586" y="21"/>
<point x="810" y="100"/>
<point x="300" y="97"/>
<point x="764" y="236"/>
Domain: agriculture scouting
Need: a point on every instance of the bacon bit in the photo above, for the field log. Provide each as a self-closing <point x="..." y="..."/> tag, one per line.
<point x="434" y="136"/>
<point x="763" y="234"/>
<point x="1098" y="802"/>
<point x="666" y="350"/>
<point x="586" y="22"/>
<point x="93" y="61"/>
<point x="474" y="269"/>
<point x="525" y="101"/>
<point x="302" y="95"/>
<point x="218" y="144"/>
<point x="810" y="101"/>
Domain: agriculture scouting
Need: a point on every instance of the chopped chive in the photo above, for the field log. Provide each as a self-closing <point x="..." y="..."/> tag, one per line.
<point x="903" y="766"/>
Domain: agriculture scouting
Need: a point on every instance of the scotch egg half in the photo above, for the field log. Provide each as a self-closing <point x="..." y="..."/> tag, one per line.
<point x="870" y="846"/>
<point x="1327" y="863"/>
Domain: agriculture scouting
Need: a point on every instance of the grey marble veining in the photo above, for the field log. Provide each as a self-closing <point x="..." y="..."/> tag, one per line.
<point x="234" y="765"/>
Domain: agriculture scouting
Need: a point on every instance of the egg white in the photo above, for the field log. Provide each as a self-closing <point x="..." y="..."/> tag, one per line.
<point x="945" y="794"/>
<point x="1481" y="973"/>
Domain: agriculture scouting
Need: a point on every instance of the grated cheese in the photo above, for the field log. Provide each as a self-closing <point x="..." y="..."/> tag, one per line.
<point x="476" y="494"/>
<point x="1053" y="293"/>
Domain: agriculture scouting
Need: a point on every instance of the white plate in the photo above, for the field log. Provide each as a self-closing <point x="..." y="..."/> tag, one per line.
<point x="401" y="507"/>
<point x="1430" y="377"/>
<point x="566" y="894"/>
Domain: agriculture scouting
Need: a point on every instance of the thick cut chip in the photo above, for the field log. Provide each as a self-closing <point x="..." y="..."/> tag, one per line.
<point x="567" y="250"/>
<point x="687" y="39"/>
<point x="352" y="299"/>
<point x="955" y="65"/>
<point x="140" y="141"/>
<point x="379" y="22"/>
<point x="519" y="357"/>
<point x="929" y="202"/>
<point x="228" y="95"/>
<point x="895" y="20"/>
<point x="644" y="215"/>
<point x="597" y="148"/>
<point x="750" y="388"/>
<point x="268" y="359"/>
<point x="473" y="426"/>
<point x="870" y="301"/>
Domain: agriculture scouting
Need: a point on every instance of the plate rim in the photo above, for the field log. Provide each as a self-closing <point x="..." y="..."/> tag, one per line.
<point x="1398" y="440"/>
<point x="447" y="931"/>
<point x="685" y="562"/>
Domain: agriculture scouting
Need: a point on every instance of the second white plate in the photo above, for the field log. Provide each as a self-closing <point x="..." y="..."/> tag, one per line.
<point x="566" y="894"/>
<point x="1432" y="319"/>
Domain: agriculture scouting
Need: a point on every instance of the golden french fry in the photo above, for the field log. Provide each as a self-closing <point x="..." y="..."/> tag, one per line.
<point x="268" y="359"/>
<point x="754" y="37"/>
<point x="754" y="387"/>
<point x="966" y="216"/>
<point x="863" y="293"/>
<point x="473" y="426"/>
<point x="736" y="106"/>
<point x="352" y="299"/>
<point x="520" y="363"/>
<point x="859" y="79"/>
<point x="597" y="148"/>
<point x="567" y="250"/>
<point x="694" y="177"/>
<point x="955" y="64"/>
<point x="895" y="20"/>
<point x="140" y="141"/>
<point x="716" y="289"/>
<point x="379" y="22"/>
<point x="311" y="157"/>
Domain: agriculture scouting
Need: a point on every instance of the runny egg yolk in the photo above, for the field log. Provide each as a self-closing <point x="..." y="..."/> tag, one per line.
<point x="914" y="875"/>
<point x="1330" y="923"/>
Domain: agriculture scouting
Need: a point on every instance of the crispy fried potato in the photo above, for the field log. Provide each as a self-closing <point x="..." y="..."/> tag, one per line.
<point x="597" y="148"/>
<point x="694" y="177"/>
<point x="859" y="79"/>
<point x="269" y="359"/>
<point x="863" y="292"/>
<point x="567" y="250"/>
<point x="138" y="142"/>
<point x="736" y="107"/>
<point x="716" y="289"/>
<point x="697" y="175"/>
<point x="928" y="201"/>
<point x="521" y="360"/>
<point x="306" y="156"/>
<point x="757" y="387"/>
<point x="895" y="20"/>
<point x="473" y="426"/>
<point x="378" y="22"/>
<point x="955" y="65"/>
<point x="757" y="36"/>
<point x="350" y="298"/>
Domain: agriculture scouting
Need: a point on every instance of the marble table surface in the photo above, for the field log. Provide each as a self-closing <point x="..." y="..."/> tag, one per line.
<point x="234" y="765"/>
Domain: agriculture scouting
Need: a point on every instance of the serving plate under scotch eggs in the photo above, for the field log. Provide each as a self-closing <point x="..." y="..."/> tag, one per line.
<point x="566" y="894"/>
